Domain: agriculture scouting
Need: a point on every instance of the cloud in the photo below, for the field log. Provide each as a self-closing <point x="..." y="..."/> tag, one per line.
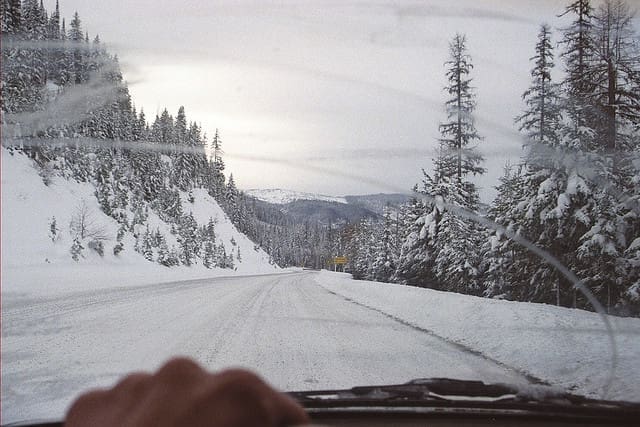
<point x="433" y="11"/>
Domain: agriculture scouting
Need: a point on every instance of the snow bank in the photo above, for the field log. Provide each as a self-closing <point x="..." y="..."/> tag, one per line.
<point x="565" y="347"/>
<point x="33" y="262"/>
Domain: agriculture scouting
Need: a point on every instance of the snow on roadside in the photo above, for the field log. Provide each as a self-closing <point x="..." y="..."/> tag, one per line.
<point x="34" y="263"/>
<point x="565" y="347"/>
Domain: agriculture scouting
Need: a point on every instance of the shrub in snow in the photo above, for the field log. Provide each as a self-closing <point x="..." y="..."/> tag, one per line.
<point x="76" y="249"/>
<point x="118" y="248"/>
<point x="84" y="225"/>
<point x="54" y="232"/>
<point x="46" y="173"/>
<point x="97" y="246"/>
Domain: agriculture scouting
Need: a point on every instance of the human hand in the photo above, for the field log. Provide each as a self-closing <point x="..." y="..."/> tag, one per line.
<point x="181" y="393"/>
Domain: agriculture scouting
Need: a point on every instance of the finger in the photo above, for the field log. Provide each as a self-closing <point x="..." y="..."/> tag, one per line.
<point x="180" y="370"/>
<point x="90" y="409"/>
<point x="279" y="408"/>
<point x="133" y="386"/>
<point x="167" y="394"/>
<point x="290" y="412"/>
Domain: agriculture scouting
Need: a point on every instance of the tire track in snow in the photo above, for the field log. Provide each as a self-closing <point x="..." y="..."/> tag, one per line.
<point x="287" y="327"/>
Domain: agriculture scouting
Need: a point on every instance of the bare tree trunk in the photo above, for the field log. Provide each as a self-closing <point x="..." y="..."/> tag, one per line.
<point x="611" y="107"/>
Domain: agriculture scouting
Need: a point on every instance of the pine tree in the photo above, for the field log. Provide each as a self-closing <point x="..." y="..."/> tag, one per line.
<point x="122" y="231"/>
<point x="499" y="251"/>
<point x="384" y="264"/>
<point x="222" y="259"/>
<point x="169" y="205"/>
<point x="231" y="204"/>
<point x="163" y="254"/>
<point x="183" y="168"/>
<point x="216" y="179"/>
<point x="103" y="179"/>
<point x="458" y="158"/>
<point x="210" y="231"/>
<point x="24" y="69"/>
<point x="614" y="72"/>
<point x="11" y="16"/>
<point x="173" y="258"/>
<point x="140" y="214"/>
<point x="578" y="41"/>
<point x="208" y="259"/>
<point x="606" y="255"/>
<point x="198" y="157"/>
<point x="551" y="198"/>
<point x="442" y="248"/>
<point x="163" y="128"/>
<point x="147" y="247"/>
<point x="188" y="239"/>
<point x="417" y="251"/>
<point x="578" y="51"/>
<point x="541" y="119"/>
<point x="76" y="37"/>
<point x="578" y="131"/>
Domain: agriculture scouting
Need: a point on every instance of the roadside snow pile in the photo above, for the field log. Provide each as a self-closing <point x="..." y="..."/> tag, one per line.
<point x="565" y="347"/>
<point x="35" y="258"/>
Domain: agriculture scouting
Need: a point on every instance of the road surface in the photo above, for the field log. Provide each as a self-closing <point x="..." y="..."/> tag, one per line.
<point x="287" y="327"/>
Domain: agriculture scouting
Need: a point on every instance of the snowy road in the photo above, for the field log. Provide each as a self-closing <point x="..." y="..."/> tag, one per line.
<point x="288" y="327"/>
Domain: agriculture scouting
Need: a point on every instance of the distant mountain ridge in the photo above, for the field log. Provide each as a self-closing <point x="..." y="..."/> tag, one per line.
<point x="301" y="206"/>
<point x="378" y="202"/>
<point x="372" y="202"/>
<point x="279" y="196"/>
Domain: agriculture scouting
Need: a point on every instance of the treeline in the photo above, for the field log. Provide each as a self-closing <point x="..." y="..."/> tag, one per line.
<point x="575" y="193"/>
<point x="39" y="48"/>
<point x="65" y="104"/>
<point x="67" y="107"/>
<point x="291" y="241"/>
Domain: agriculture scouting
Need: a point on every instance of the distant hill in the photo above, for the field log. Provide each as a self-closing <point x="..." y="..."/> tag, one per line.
<point x="377" y="202"/>
<point x="300" y="207"/>
<point x="279" y="196"/>
<point x="327" y="212"/>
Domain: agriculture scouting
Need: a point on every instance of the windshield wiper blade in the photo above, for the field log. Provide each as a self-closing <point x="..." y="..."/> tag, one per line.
<point x="418" y="389"/>
<point x="452" y="392"/>
<point x="449" y="389"/>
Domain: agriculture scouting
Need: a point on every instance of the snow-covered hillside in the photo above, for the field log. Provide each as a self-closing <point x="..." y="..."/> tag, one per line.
<point x="35" y="260"/>
<point x="280" y="197"/>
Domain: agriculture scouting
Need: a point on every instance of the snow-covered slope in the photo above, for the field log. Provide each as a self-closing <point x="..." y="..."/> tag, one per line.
<point x="33" y="261"/>
<point x="280" y="197"/>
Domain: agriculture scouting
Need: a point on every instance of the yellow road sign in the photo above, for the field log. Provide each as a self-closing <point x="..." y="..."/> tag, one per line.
<point x="340" y="260"/>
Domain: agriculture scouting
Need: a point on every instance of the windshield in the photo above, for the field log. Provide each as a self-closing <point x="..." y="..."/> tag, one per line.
<point x="331" y="194"/>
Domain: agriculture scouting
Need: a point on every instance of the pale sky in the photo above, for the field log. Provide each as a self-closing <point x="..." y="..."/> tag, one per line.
<point x="351" y="86"/>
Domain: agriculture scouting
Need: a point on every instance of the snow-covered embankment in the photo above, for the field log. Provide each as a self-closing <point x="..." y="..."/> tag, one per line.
<point x="568" y="348"/>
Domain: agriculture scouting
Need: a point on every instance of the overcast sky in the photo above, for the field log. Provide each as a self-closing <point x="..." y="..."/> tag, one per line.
<point x="350" y="86"/>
